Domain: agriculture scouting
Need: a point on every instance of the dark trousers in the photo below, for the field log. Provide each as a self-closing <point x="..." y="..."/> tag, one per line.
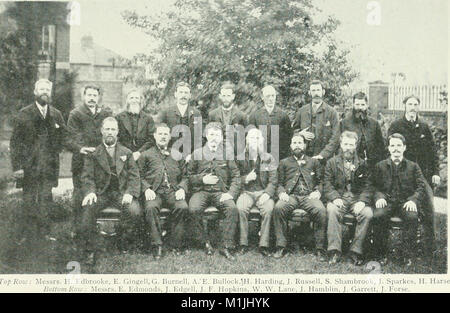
<point x="130" y="219"/>
<point x="381" y="225"/>
<point x="427" y="217"/>
<point x="200" y="201"/>
<point x="177" y="219"/>
<point x="77" y="199"/>
<point x="38" y="200"/>
<point x="283" y="211"/>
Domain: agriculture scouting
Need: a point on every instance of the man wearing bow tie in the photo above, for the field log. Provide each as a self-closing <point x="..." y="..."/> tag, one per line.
<point x="259" y="181"/>
<point x="37" y="139"/>
<point x="183" y="119"/>
<point x="421" y="149"/>
<point x="345" y="179"/>
<point x="299" y="179"/>
<point x="110" y="177"/>
<point x="164" y="183"/>
<point x="399" y="187"/>
<point x="85" y="123"/>
<point x="135" y="127"/>
<point x="215" y="181"/>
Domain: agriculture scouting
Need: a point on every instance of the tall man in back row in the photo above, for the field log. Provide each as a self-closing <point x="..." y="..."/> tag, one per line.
<point x="420" y="148"/>
<point x="318" y="123"/>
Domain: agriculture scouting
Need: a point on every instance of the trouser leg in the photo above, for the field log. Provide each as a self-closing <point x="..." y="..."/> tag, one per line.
<point x="197" y="204"/>
<point x="409" y="234"/>
<point x="428" y="220"/>
<point x="381" y="230"/>
<point x="88" y="231"/>
<point x="178" y="219"/>
<point x="152" y="209"/>
<point x="334" y="227"/>
<point x="266" y="209"/>
<point x="230" y="221"/>
<point x="362" y="227"/>
<point x="318" y="213"/>
<point x="244" y="204"/>
<point x="281" y="214"/>
<point x="131" y="221"/>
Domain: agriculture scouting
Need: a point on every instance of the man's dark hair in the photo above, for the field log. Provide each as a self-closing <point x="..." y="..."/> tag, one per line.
<point x="317" y="82"/>
<point x="409" y="97"/>
<point x="359" y="95"/>
<point x="228" y="85"/>
<point x="397" y="136"/>
<point x="91" y="86"/>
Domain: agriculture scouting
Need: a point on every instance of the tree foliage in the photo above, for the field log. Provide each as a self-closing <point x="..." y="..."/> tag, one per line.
<point x="250" y="42"/>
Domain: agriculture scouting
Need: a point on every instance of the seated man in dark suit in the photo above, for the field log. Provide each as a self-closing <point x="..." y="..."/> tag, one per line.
<point x="299" y="179"/>
<point x="215" y="181"/>
<point x="344" y="181"/>
<point x="399" y="188"/>
<point x="164" y="182"/>
<point x="135" y="126"/>
<point x="259" y="182"/>
<point x="110" y="177"/>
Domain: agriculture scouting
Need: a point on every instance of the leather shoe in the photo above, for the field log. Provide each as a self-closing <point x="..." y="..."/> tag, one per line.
<point x="335" y="257"/>
<point x="280" y="253"/>
<point x="322" y="255"/>
<point x="158" y="253"/>
<point x="383" y="261"/>
<point x="226" y="253"/>
<point x="209" y="249"/>
<point x="264" y="251"/>
<point x="355" y="259"/>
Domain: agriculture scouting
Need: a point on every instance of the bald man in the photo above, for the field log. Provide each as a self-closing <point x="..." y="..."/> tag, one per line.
<point x="270" y="117"/>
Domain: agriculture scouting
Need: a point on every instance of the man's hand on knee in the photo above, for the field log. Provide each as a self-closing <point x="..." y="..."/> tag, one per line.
<point x="359" y="206"/>
<point x="263" y="198"/>
<point x="89" y="199"/>
<point x="284" y="197"/>
<point x="338" y="202"/>
<point x="410" y="206"/>
<point x="150" y="195"/>
<point x="225" y="196"/>
<point x="127" y="198"/>
<point x="180" y="194"/>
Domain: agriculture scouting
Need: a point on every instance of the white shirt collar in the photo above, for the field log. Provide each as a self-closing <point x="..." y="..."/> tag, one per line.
<point x="42" y="109"/>
<point x="401" y="159"/>
<point x="229" y="109"/>
<point x="112" y="146"/>
<point x="182" y="108"/>
<point x="270" y="110"/>
<point x="316" y="107"/>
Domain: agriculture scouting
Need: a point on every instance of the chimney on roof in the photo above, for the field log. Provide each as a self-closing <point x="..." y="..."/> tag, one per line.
<point x="87" y="42"/>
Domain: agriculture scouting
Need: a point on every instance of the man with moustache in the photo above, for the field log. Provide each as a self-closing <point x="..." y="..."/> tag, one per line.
<point x="344" y="182"/>
<point x="299" y="184"/>
<point x="164" y="183"/>
<point x="318" y="123"/>
<point x="370" y="146"/>
<point x="259" y="182"/>
<point x="272" y="115"/>
<point x="215" y="182"/>
<point x="85" y="123"/>
<point x="110" y="177"/>
<point x="230" y="117"/>
<point x="183" y="114"/>
<point x="135" y="127"/>
<point x="37" y="139"/>
<point x="399" y="188"/>
<point x="421" y="149"/>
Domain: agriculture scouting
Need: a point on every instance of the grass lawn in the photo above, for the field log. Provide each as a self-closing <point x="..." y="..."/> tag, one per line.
<point x="53" y="256"/>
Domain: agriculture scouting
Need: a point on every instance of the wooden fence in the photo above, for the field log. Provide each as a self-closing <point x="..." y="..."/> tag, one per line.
<point x="430" y="96"/>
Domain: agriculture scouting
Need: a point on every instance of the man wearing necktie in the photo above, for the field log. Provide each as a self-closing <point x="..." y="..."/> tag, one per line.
<point x="299" y="185"/>
<point x="164" y="184"/>
<point x="259" y="181"/>
<point x="37" y="138"/>
<point x="215" y="181"/>
<point x="421" y="149"/>
<point x="344" y="180"/>
<point x="135" y="127"/>
<point x="110" y="177"/>
<point x="85" y="123"/>
<point x="399" y="187"/>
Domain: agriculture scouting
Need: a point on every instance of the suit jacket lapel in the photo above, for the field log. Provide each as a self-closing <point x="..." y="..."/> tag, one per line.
<point x="102" y="158"/>
<point x="304" y="172"/>
<point x="141" y="123"/>
<point x="127" y="124"/>
<point x="232" y="114"/>
<point x="119" y="162"/>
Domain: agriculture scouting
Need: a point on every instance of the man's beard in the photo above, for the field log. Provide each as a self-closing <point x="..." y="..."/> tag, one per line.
<point x="227" y="105"/>
<point x="110" y="140"/>
<point x="43" y="99"/>
<point x="134" y="109"/>
<point x="360" y="114"/>
<point x="316" y="99"/>
<point x="348" y="155"/>
<point x="297" y="152"/>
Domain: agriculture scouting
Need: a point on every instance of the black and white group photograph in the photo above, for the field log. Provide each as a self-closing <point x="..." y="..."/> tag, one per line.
<point x="217" y="137"/>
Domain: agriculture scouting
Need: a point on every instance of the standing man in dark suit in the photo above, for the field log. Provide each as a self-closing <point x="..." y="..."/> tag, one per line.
<point x="371" y="145"/>
<point x="299" y="185"/>
<point x="37" y="139"/>
<point x="344" y="181"/>
<point x="110" y="177"/>
<point x="164" y="182"/>
<point x="259" y="183"/>
<point x="318" y="122"/>
<point x="231" y="118"/>
<point x="184" y="120"/>
<point x="271" y="115"/>
<point x="421" y="149"/>
<point x="399" y="188"/>
<point x="85" y="123"/>
<point x="135" y="127"/>
<point x="215" y="181"/>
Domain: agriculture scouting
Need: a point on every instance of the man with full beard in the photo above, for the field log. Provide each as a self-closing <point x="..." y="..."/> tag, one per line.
<point x="37" y="139"/>
<point x="299" y="179"/>
<point x="370" y="145"/>
<point x="110" y="177"/>
<point x="344" y="183"/>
